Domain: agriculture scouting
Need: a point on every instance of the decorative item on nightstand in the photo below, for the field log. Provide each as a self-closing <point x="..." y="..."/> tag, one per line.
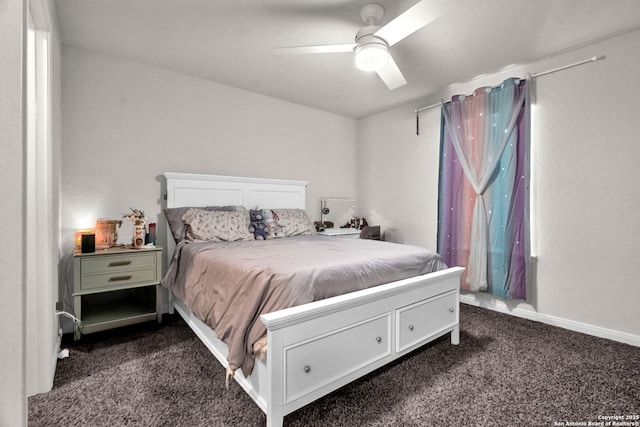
<point x="88" y="243"/>
<point x="106" y="232"/>
<point x="338" y="211"/>
<point x="152" y="233"/>
<point x="85" y="241"/>
<point x="139" y="227"/>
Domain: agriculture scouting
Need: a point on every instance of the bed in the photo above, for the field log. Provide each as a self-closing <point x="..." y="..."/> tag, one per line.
<point x="315" y="347"/>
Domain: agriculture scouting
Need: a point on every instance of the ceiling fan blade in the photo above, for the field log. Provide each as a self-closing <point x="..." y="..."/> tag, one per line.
<point x="391" y="75"/>
<point x="328" y="48"/>
<point x="413" y="19"/>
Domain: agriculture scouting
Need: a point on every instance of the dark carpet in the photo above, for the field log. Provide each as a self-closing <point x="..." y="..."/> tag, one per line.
<point x="506" y="371"/>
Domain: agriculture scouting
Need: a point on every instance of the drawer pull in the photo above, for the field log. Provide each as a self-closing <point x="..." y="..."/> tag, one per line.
<point x="411" y="327"/>
<point x="307" y="369"/>
<point x="119" y="278"/>
<point x="451" y="310"/>
<point x="379" y="339"/>
<point x="119" y="263"/>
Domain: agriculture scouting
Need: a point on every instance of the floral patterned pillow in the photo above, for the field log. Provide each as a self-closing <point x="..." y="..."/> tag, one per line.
<point x="294" y="222"/>
<point x="217" y="226"/>
<point x="179" y="228"/>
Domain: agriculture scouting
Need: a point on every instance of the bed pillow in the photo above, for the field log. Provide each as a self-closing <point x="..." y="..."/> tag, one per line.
<point x="179" y="228"/>
<point x="294" y="222"/>
<point x="217" y="226"/>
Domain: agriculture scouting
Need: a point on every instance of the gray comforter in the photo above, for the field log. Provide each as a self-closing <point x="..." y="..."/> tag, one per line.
<point x="228" y="285"/>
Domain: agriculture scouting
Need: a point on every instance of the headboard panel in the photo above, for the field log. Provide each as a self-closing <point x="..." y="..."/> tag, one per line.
<point x="187" y="189"/>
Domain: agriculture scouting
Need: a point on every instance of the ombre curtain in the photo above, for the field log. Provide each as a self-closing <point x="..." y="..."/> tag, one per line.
<point x="483" y="199"/>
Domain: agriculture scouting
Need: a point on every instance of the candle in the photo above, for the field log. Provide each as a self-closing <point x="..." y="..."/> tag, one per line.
<point x="152" y="233"/>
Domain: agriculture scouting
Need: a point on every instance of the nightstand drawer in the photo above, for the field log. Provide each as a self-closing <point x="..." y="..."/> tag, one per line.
<point x="118" y="278"/>
<point x="117" y="263"/>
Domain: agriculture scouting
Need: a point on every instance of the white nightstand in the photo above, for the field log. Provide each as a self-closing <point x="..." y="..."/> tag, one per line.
<point x="349" y="233"/>
<point x="116" y="287"/>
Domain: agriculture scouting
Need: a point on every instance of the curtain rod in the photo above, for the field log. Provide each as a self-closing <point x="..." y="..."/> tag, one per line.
<point x="533" y="76"/>
<point x="575" y="64"/>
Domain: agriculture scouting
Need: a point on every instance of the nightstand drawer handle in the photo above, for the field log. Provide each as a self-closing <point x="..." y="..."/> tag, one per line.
<point x="119" y="278"/>
<point x="119" y="263"/>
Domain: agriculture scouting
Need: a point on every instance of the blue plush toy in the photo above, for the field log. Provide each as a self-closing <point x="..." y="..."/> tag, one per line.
<point x="258" y="228"/>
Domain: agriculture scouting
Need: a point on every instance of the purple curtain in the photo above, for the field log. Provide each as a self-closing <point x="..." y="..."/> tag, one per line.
<point x="483" y="200"/>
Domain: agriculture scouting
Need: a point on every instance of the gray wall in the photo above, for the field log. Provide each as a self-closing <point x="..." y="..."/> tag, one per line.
<point x="586" y="201"/>
<point x="126" y="123"/>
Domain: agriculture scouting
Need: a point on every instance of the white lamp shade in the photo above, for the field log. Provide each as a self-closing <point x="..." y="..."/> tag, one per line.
<point x="371" y="56"/>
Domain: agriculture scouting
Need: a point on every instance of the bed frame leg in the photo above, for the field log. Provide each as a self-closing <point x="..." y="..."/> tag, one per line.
<point x="274" y="412"/>
<point x="275" y="386"/>
<point x="455" y="336"/>
<point x="274" y="421"/>
<point x="171" y="307"/>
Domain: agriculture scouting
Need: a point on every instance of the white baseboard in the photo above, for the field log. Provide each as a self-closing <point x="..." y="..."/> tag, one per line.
<point x="56" y="351"/>
<point x="596" y="331"/>
<point x="44" y="387"/>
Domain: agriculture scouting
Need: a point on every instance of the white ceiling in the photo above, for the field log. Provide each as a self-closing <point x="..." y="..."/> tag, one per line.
<point x="231" y="41"/>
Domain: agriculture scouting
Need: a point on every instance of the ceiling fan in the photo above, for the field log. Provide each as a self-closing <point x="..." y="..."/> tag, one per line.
<point x="372" y="42"/>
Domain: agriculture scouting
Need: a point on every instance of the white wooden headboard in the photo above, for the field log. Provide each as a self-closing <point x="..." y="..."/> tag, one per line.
<point x="187" y="189"/>
<point x="199" y="190"/>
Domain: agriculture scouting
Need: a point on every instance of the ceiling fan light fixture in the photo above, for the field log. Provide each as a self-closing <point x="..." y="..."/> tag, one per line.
<point x="372" y="56"/>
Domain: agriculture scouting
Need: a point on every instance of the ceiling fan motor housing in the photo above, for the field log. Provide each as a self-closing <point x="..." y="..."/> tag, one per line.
<point x="369" y="30"/>
<point x="371" y="13"/>
<point x="372" y="52"/>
